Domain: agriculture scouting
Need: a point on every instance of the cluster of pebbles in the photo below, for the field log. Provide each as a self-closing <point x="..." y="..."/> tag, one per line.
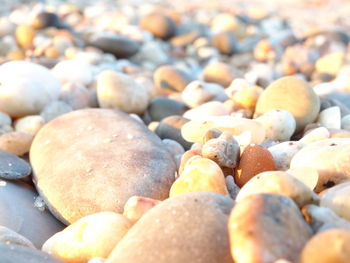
<point x="139" y="133"/>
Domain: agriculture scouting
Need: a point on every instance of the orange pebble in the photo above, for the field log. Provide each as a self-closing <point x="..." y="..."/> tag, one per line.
<point x="254" y="160"/>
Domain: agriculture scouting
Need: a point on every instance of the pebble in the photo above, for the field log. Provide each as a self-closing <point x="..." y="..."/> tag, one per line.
<point x="283" y="153"/>
<point x="207" y="109"/>
<point x="47" y="19"/>
<point x="279" y="125"/>
<point x="258" y="222"/>
<point x="198" y="92"/>
<point x="345" y="122"/>
<point x="91" y="236"/>
<point x="278" y="182"/>
<point x="314" y="135"/>
<point x="10" y="237"/>
<point x="173" y="147"/>
<point x="224" y="22"/>
<point x="12" y="167"/>
<point x="17" y="143"/>
<point x="220" y="73"/>
<point x="120" y="46"/>
<point x="30" y="124"/>
<point x="330" y="118"/>
<point x="293" y="95"/>
<point x="77" y="96"/>
<point x="320" y="155"/>
<point x="138" y="206"/>
<point x="330" y="63"/>
<point x="225" y="42"/>
<point x="54" y="110"/>
<point x="335" y="198"/>
<point x="119" y="91"/>
<point x="24" y="215"/>
<point x="190" y="220"/>
<point x="73" y="71"/>
<point x="255" y="159"/>
<point x="20" y="254"/>
<point x="26" y="88"/>
<point x="170" y="79"/>
<point x="162" y="107"/>
<point x="193" y="131"/>
<point x="224" y="150"/>
<point x="96" y="139"/>
<point x="25" y="36"/>
<point x="200" y="174"/>
<point x="329" y="246"/>
<point x="159" y="25"/>
<point x="170" y="128"/>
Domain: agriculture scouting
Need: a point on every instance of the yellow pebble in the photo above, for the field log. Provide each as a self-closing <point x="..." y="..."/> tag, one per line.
<point x="52" y="52"/>
<point x="330" y="63"/>
<point x="200" y="174"/>
<point x="247" y="97"/>
<point x="16" y="55"/>
<point x="25" y="36"/>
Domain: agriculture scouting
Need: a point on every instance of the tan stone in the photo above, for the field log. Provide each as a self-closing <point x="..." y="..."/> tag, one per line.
<point x="137" y="206"/>
<point x="265" y="228"/>
<point x="17" y="143"/>
<point x="92" y="236"/>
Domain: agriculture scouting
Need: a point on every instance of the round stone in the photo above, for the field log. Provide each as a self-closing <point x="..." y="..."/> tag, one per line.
<point x="24" y="212"/>
<point x="73" y="71"/>
<point x="13" y="167"/>
<point x="101" y="148"/>
<point x="120" y="46"/>
<point x="293" y="95"/>
<point x="47" y="19"/>
<point x="159" y="25"/>
<point x="99" y="233"/>
<point x="17" y="143"/>
<point x="170" y="128"/>
<point x="255" y="159"/>
<point x="29" y="124"/>
<point x="170" y="79"/>
<point x="26" y="88"/>
<point x="20" y="254"/>
<point x="267" y="227"/>
<point x="225" y="42"/>
<point x="25" y="36"/>
<point x="220" y="73"/>
<point x="119" y="91"/>
<point x="162" y="107"/>
<point x="190" y="227"/>
<point x="336" y="199"/>
<point x="332" y="245"/>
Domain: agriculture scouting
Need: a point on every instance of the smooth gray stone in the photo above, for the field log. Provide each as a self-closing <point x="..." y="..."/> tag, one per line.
<point x="13" y="167"/>
<point x="20" y="254"/>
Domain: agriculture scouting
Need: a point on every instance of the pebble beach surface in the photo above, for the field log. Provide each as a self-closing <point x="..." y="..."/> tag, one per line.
<point x="144" y="132"/>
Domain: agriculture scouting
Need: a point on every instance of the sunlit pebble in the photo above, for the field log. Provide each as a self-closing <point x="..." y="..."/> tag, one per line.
<point x="3" y="183"/>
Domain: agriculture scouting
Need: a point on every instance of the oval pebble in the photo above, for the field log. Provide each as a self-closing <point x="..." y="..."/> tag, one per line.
<point x="13" y="167"/>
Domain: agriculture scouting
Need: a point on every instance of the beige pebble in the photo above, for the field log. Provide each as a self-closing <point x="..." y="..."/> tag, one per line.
<point x="224" y="150"/>
<point x="308" y="175"/>
<point x="186" y="156"/>
<point x="337" y="199"/>
<point x="315" y="135"/>
<point x="212" y="108"/>
<point x="137" y="206"/>
<point x="278" y="182"/>
<point x="30" y="124"/>
<point x="200" y="174"/>
<point x="92" y="236"/>
<point x="265" y="228"/>
<point x="198" y="92"/>
<point x="17" y="143"/>
<point x="329" y="246"/>
<point x="193" y="131"/>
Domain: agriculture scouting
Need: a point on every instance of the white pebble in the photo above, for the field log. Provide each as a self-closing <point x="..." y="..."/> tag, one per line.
<point x="330" y="118"/>
<point x="30" y="124"/>
<point x="283" y="153"/>
<point x="315" y="135"/>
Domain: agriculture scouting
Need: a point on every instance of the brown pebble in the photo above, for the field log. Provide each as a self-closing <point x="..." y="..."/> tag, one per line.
<point x="255" y="159"/>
